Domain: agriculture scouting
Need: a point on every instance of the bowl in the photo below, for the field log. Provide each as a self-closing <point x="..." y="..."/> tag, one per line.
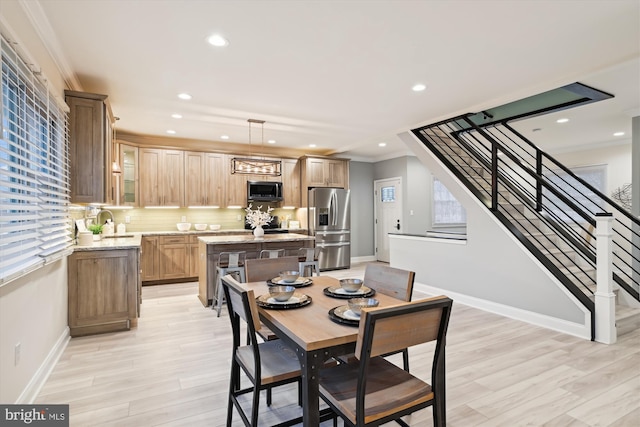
<point x="351" y="285"/>
<point x="214" y="226"/>
<point x="183" y="226"/>
<point x="289" y="276"/>
<point x="200" y="227"/>
<point x="281" y="292"/>
<point x="356" y="304"/>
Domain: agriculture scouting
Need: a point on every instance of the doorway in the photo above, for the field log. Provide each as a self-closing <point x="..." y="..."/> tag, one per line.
<point x="388" y="214"/>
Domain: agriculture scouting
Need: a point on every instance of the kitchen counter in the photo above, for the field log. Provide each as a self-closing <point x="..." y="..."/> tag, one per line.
<point x="128" y="241"/>
<point x="249" y="238"/>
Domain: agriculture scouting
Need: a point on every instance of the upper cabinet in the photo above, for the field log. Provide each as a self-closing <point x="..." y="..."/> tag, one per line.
<point x="236" y="185"/>
<point x="90" y="149"/>
<point x="205" y="179"/>
<point x="127" y="189"/>
<point x="161" y="177"/>
<point x="325" y="172"/>
<point x="291" y="182"/>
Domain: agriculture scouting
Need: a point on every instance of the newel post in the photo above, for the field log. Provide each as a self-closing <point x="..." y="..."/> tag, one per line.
<point x="605" y="299"/>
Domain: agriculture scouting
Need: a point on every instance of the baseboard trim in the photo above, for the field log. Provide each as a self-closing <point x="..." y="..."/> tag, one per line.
<point x="537" y="319"/>
<point x="30" y="392"/>
<point x="369" y="258"/>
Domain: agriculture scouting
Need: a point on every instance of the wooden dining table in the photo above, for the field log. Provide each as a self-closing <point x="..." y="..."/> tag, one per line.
<point x="313" y="335"/>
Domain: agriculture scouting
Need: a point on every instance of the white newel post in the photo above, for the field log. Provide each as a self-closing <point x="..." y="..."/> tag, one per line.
<point x="605" y="299"/>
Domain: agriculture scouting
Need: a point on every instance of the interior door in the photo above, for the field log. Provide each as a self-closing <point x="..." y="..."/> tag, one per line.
<point x="388" y="207"/>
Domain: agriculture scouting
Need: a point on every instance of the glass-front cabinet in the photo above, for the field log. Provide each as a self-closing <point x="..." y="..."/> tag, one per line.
<point x="128" y="188"/>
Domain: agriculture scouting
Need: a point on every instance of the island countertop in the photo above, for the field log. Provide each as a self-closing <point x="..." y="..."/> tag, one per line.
<point x="249" y="238"/>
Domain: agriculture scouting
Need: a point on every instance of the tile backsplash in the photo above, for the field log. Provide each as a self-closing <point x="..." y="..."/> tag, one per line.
<point x="142" y="220"/>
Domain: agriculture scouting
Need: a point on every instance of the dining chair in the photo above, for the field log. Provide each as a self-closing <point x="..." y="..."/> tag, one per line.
<point x="308" y="257"/>
<point x="371" y="390"/>
<point x="228" y="262"/>
<point x="394" y="282"/>
<point x="267" y="364"/>
<point x="258" y="270"/>
<point x="271" y="253"/>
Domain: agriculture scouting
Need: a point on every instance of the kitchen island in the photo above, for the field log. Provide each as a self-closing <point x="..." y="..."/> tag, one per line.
<point x="211" y="246"/>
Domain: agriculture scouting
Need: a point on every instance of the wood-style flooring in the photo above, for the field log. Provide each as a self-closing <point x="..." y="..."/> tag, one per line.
<point x="173" y="370"/>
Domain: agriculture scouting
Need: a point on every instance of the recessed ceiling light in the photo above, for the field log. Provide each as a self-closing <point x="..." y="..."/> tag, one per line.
<point x="184" y="96"/>
<point x="564" y="120"/>
<point x="618" y="134"/>
<point x="176" y="116"/>
<point x="224" y="136"/>
<point x="271" y="141"/>
<point x="312" y="145"/>
<point x="382" y="144"/>
<point x="217" y="40"/>
<point x="419" y="87"/>
<point x="171" y="132"/>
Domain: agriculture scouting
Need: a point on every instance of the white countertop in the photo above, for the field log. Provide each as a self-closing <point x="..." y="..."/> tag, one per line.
<point x="247" y="238"/>
<point x="128" y="241"/>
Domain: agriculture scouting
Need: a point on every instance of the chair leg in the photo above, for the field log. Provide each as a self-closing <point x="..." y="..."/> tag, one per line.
<point x="256" y="402"/>
<point x="405" y="359"/>
<point x="269" y="396"/>
<point x="220" y="297"/>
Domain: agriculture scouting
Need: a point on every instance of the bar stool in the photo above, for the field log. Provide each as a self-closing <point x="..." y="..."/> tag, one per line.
<point x="308" y="257"/>
<point x="228" y="263"/>
<point x="271" y="253"/>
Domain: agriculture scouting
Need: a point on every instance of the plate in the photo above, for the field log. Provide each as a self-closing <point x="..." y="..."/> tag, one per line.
<point x="338" y="292"/>
<point x="342" y="314"/>
<point x="300" y="282"/>
<point x="297" y="300"/>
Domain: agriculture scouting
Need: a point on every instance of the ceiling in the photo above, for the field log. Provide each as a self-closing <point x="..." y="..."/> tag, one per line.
<point x="338" y="74"/>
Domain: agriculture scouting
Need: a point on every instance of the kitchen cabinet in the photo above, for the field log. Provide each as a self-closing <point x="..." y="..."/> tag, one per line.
<point x="103" y="291"/>
<point x="90" y="148"/>
<point x="150" y="259"/>
<point x="236" y="186"/>
<point x="161" y="177"/>
<point x="291" y="182"/>
<point x="127" y="192"/>
<point x="205" y="179"/>
<point x="322" y="172"/>
<point x="193" y="258"/>
<point x="173" y="257"/>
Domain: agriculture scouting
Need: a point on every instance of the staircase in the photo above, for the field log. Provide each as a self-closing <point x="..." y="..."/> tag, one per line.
<point x="525" y="189"/>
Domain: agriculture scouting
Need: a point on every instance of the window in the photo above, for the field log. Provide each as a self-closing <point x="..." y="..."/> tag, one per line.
<point x="388" y="194"/>
<point x="34" y="171"/>
<point x="582" y="197"/>
<point x="446" y="209"/>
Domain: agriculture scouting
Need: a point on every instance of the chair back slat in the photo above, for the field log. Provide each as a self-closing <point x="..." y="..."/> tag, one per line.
<point x="231" y="259"/>
<point x="394" y="282"/>
<point x="257" y="270"/>
<point x="389" y="329"/>
<point x="241" y="302"/>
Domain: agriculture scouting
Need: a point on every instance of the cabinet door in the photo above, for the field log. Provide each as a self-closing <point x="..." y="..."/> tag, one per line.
<point x="172" y="188"/>
<point x="194" y="182"/>
<point x="215" y="179"/>
<point x="236" y="186"/>
<point x="193" y="260"/>
<point x="89" y="148"/>
<point x="336" y="173"/>
<point x="127" y="190"/>
<point x="150" y="259"/>
<point x="291" y="182"/>
<point x="173" y="261"/>
<point x="150" y="176"/>
<point x="315" y="171"/>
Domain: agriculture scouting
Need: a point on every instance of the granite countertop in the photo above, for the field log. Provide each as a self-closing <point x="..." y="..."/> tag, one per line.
<point x="283" y="237"/>
<point x="223" y="232"/>
<point x="126" y="241"/>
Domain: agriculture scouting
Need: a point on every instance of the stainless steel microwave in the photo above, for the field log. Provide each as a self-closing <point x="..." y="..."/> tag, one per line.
<point x="264" y="191"/>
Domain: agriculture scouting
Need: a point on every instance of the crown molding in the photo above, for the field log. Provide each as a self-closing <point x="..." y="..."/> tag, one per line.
<point x="35" y="13"/>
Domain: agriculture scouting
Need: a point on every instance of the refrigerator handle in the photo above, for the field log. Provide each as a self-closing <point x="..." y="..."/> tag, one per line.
<point x="334" y="209"/>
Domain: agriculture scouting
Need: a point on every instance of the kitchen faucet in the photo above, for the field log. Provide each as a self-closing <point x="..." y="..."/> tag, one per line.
<point x="100" y="213"/>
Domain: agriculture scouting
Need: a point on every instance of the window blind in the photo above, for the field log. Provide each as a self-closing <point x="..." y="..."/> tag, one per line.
<point x="34" y="170"/>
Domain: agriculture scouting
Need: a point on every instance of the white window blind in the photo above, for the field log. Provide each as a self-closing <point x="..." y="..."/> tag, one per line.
<point x="34" y="171"/>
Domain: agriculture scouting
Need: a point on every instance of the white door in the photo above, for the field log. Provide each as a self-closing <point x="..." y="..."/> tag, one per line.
<point x="388" y="206"/>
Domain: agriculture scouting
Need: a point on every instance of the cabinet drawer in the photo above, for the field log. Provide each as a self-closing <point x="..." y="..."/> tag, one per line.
<point x="193" y="238"/>
<point x="172" y="240"/>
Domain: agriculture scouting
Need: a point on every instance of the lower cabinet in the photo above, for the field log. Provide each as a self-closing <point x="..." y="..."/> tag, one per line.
<point x="103" y="291"/>
<point x="169" y="258"/>
<point x="150" y="259"/>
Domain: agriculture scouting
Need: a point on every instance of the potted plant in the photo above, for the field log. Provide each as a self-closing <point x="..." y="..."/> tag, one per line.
<point x="96" y="229"/>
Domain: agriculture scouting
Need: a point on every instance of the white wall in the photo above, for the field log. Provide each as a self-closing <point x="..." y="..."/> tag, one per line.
<point x="33" y="309"/>
<point x="492" y="270"/>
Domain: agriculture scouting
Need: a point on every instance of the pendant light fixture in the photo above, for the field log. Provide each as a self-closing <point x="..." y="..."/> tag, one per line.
<point x="256" y="166"/>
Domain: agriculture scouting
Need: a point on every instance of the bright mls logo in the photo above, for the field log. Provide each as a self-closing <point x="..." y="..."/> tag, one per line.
<point x="34" y="415"/>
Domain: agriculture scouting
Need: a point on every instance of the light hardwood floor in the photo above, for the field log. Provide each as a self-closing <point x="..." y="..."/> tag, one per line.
<point x="173" y="369"/>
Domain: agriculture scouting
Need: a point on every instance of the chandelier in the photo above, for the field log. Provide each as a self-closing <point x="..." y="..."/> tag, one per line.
<point x="256" y="166"/>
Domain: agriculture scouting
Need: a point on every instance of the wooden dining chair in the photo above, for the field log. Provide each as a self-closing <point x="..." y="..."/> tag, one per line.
<point x="266" y="364"/>
<point x="262" y="269"/>
<point x="371" y="390"/>
<point x="394" y="282"/>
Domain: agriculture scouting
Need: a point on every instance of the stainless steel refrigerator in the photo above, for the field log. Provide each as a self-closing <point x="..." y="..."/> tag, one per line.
<point x="330" y="221"/>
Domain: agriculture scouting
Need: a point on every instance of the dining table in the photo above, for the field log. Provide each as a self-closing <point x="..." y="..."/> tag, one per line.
<point x="312" y="334"/>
